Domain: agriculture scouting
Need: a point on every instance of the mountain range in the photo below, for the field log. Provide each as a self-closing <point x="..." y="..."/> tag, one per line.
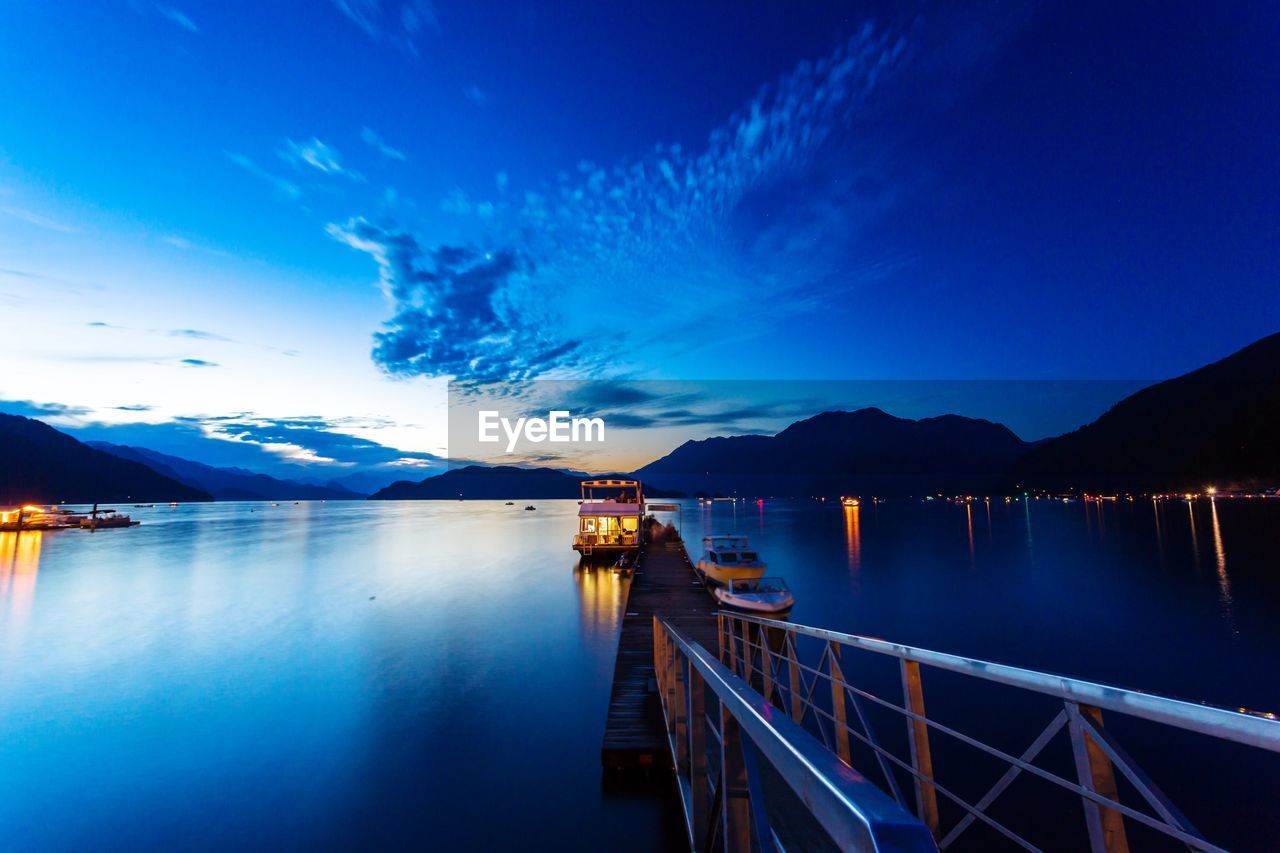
<point x="863" y="452"/>
<point x="502" y="482"/>
<point x="226" y="484"/>
<point x="1215" y="425"/>
<point x="40" y="464"/>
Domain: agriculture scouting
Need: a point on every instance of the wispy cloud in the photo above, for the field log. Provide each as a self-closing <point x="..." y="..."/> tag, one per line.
<point x="197" y="335"/>
<point x="285" y="189"/>
<point x="135" y="407"/>
<point x="177" y="17"/>
<point x="475" y="95"/>
<point x="374" y="141"/>
<point x="197" y="362"/>
<point x="666" y="225"/>
<point x="39" y="220"/>
<point x="399" y="23"/>
<point x="316" y="155"/>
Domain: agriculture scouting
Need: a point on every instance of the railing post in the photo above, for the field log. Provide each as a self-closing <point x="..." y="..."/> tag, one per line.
<point x="1094" y="771"/>
<point x="918" y="737"/>
<point x="659" y="658"/>
<point x="837" y="703"/>
<point x="699" y="786"/>
<point x="724" y="659"/>
<point x="680" y="714"/>
<point x="793" y="672"/>
<point x="746" y="652"/>
<point x="735" y="802"/>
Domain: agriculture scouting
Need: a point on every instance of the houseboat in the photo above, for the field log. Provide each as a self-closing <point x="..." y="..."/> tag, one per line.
<point x="609" y="517"/>
<point x="728" y="558"/>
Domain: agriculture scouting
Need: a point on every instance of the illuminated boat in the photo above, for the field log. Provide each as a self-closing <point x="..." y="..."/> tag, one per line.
<point x="756" y="595"/>
<point x="609" y="516"/>
<point x="728" y="558"/>
<point x="33" y="517"/>
<point x="849" y="501"/>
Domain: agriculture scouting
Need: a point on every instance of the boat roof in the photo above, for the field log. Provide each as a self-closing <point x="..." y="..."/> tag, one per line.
<point x="729" y="539"/>
<point x="615" y="484"/>
<point x="608" y="508"/>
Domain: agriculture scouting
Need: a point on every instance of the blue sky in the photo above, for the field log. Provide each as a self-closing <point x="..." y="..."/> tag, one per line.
<point x="267" y="234"/>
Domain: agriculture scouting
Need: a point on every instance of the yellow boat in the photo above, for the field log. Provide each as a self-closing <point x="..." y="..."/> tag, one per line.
<point x="728" y="558"/>
<point x="849" y="501"/>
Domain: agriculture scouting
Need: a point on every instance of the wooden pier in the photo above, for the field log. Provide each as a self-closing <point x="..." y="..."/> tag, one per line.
<point x="664" y="582"/>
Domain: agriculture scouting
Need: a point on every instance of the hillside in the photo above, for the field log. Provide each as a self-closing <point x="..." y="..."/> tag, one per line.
<point x="42" y="465"/>
<point x="1215" y="425"/>
<point x="863" y="452"/>
<point x="226" y="484"/>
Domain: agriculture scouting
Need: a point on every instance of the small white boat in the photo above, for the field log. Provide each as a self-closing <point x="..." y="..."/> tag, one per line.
<point x="728" y="558"/>
<point x="757" y="595"/>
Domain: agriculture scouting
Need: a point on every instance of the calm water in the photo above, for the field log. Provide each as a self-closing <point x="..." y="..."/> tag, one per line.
<point x="354" y="674"/>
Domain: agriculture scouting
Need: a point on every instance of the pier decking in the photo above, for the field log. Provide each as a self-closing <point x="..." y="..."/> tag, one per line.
<point x="664" y="582"/>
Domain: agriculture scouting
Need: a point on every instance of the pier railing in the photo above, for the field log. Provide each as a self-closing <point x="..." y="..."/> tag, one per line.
<point x="826" y="684"/>
<point x="752" y="779"/>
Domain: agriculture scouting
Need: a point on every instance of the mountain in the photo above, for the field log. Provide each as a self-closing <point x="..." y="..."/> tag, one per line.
<point x="500" y="482"/>
<point x="476" y="482"/>
<point x="226" y="484"/>
<point x="1216" y="425"/>
<point x="863" y="452"/>
<point x="42" y="465"/>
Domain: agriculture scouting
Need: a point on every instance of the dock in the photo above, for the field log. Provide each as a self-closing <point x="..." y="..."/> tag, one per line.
<point x="664" y="582"/>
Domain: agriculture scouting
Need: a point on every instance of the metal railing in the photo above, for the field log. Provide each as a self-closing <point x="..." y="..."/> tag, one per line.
<point x="818" y="696"/>
<point x="733" y="753"/>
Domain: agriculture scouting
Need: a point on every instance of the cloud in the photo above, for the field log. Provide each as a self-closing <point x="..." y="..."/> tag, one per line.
<point x="38" y="220"/>
<point x="374" y="141"/>
<point x="673" y="227"/>
<point x="197" y="362"/>
<point x="32" y="409"/>
<point x="475" y="95"/>
<point x="457" y="310"/>
<point x="177" y="18"/>
<point x="397" y="23"/>
<point x="281" y="447"/>
<point x="285" y="189"/>
<point x="136" y="407"/>
<point x="197" y="335"/>
<point x="316" y="155"/>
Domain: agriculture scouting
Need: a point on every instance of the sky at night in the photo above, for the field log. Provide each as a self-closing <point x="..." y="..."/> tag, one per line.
<point x="268" y="234"/>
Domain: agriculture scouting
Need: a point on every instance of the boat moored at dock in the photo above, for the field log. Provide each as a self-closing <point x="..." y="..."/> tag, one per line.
<point x="609" y="517"/>
<point x="727" y="558"/>
<point x="759" y="595"/>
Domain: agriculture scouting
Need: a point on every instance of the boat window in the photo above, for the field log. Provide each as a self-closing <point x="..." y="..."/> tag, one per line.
<point x="748" y="556"/>
<point x="728" y="557"/>
<point x="711" y="555"/>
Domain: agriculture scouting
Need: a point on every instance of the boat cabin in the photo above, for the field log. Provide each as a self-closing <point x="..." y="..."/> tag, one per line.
<point x="729" y="551"/>
<point x="609" y="516"/>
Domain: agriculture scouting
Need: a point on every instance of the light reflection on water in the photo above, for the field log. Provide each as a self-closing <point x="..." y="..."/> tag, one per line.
<point x="316" y="674"/>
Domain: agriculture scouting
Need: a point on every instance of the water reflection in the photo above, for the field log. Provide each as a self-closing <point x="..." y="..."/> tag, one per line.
<point x="968" y="516"/>
<point x="1224" y="583"/>
<point x="1195" y="543"/>
<point x="853" y="538"/>
<point x="601" y="593"/>
<point x="19" y="564"/>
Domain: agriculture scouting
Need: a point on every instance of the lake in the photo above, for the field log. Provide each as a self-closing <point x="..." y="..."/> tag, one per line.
<point x="352" y="674"/>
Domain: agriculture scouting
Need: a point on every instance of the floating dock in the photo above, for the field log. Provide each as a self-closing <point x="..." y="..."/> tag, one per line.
<point x="664" y="582"/>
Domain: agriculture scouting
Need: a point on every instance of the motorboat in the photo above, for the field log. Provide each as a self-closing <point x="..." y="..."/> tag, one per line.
<point x="728" y="558"/>
<point x="849" y="501"/>
<point x="530" y="508"/>
<point x="756" y="595"/>
<point x="625" y="564"/>
<point x="102" y="519"/>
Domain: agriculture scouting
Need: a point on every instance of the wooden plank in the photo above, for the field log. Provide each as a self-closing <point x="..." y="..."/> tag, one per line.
<point x="664" y="582"/>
